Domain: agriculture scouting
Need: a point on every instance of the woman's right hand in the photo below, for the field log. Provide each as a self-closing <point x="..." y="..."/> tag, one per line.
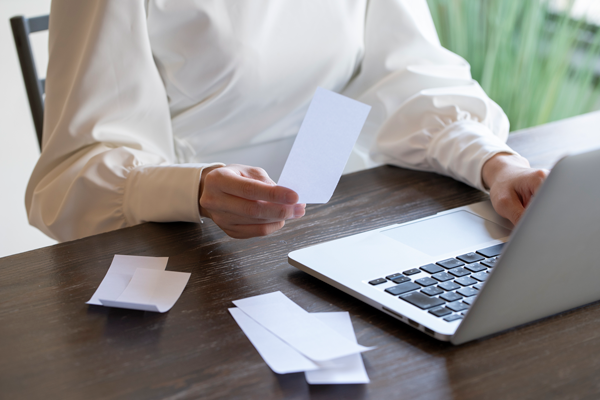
<point x="245" y="202"/>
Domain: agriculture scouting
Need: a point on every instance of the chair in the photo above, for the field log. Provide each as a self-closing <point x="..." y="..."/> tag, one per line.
<point x="21" y="28"/>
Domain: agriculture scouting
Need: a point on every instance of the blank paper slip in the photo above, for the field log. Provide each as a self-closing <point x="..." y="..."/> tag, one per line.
<point x="280" y="350"/>
<point x="323" y="145"/>
<point x="140" y="283"/>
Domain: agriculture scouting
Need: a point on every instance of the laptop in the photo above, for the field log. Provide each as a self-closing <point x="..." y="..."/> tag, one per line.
<point x="467" y="273"/>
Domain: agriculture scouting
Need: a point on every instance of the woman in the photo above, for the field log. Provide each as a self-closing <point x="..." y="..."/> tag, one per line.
<point x="148" y="104"/>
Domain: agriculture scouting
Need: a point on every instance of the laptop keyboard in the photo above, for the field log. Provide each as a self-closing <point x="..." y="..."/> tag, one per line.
<point x="447" y="288"/>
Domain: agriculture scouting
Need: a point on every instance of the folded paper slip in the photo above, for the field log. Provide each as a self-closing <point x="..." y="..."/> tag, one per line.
<point x="140" y="283"/>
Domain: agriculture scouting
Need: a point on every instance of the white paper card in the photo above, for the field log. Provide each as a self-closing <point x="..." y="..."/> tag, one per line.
<point x="120" y="273"/>
<point x="151" y="290"/>
<point x="298" y="328"/>
<point x="345" y="370"/>
<point x="323" y="145"/>
<point x="280" y="357"/>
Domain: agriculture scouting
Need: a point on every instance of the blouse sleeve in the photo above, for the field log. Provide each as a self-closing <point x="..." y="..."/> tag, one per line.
<point x="428" y="113"/>
<point x="108" y="153"/>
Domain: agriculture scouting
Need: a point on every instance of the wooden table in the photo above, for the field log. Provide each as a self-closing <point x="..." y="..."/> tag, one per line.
<point x="52" y="345"/>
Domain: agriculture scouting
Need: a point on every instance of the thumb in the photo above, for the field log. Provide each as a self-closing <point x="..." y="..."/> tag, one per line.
<point x="257" y="173"/>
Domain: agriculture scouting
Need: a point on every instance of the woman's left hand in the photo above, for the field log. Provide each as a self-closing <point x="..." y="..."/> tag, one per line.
<point x="512" y="184"/>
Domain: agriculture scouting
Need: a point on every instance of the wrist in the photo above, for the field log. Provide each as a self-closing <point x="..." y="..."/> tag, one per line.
<point x="205" y="172"/>
<point x="498" y="165"/>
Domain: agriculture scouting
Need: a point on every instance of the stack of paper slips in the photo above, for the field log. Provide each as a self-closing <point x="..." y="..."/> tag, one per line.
<point x="289" y="339"/>
<point x="140" y="283"/>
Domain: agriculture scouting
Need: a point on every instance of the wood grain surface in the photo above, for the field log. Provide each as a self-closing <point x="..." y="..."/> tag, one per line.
<point x="53" y="345"/>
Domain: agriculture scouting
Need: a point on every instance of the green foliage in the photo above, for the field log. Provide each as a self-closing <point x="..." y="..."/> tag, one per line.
<point x="538" y="65"/>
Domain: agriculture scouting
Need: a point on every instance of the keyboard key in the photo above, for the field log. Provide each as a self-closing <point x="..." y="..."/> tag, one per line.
<point x="451" y="296"/>
<point x="465" y="281"/>
<point x="402" y="288"/>
<point x="377" y="281"/>
<point x="478" y="286"/>
<point x="452" y="317"/>
<point x="450" y="263"/>
<point x="459" y="272"/>
<point x="469" y="300"/>
<point x="467" y="292"/>
<point x="475" y="267"/>
<point x="492" y="251"/>
<point x="401" y="279"/>
<point x="432" y="291"/>
<point x="427" y="281"/>
<point x="470" y="257"/>
<point x="411" y="271"/>
<point x="432" y="268"/>
<point x="442" y="276"/>
<point x="481" y="276"/>
<point x="490" y="263"/>
<point x="394" y="276"/>
<point x="422" y="301"/>
<point x="440" y="311"/>
<point x="449" y="286"/>
<point x="457" y="306"/>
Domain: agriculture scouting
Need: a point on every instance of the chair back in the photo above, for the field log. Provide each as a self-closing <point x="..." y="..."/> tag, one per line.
<point x="21" y="28"/>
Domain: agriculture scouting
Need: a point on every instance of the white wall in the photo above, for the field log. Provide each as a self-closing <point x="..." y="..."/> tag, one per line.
<point x="18" y="144"/>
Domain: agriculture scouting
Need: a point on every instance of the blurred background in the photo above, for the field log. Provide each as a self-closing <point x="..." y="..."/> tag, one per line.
<point x="538" y="59"/>
<point x="19" y="150"/>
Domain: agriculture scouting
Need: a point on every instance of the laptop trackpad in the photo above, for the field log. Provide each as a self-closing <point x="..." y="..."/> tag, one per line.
<point x="447" y="233"/>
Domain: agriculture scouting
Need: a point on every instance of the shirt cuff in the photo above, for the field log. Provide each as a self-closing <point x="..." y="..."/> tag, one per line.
<point x="462" y="149"/>
<point x="165" y="193"/>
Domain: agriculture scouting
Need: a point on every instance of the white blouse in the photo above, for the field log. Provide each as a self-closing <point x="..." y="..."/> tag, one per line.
<point x="140" y="96"/>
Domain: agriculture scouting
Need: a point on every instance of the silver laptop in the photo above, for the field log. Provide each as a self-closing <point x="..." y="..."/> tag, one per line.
<point x="466" y="273"/>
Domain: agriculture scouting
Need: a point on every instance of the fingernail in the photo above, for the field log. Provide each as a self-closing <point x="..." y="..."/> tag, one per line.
<point x="298" y="210"/>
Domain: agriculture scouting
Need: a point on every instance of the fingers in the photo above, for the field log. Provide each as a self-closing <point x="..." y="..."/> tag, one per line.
<point x="531" y="183"/>
<point x="252" y="189"/>
<point x="513" y="194"/>
<point x="509" y="206"/>
<point x="242" y="211"/>
<point x="245" y="202"/>
<point x="249" y="231"/>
